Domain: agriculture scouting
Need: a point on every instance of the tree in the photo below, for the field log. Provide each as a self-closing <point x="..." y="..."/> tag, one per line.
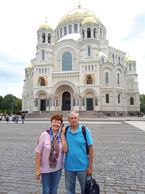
<point x="11" y="104"/>
<point x="142" y="103"/>
<point x="1" y="103"/>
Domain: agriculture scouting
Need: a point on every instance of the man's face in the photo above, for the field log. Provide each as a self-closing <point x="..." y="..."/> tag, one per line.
<point x="73" y="119"/>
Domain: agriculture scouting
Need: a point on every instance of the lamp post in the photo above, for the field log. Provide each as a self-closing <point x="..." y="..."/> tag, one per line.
<point x="13" y="104"/>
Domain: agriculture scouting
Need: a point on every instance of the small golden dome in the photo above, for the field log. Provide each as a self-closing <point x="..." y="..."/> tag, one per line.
<point x="29" y="65"/>
<point x="45" y="26"/>
<point x="89" y="20"/>
<point x="129" y="58"/>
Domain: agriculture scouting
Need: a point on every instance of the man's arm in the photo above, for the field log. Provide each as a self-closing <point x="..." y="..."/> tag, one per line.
<point x="91" y="157"/>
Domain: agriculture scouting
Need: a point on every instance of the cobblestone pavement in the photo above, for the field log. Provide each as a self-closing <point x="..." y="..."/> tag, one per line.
<point x="119" y="161"/>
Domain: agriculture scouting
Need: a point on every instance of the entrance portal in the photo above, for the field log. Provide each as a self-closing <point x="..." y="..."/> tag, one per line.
<point x="66" y="101"/>
<point x="89" y="103"/>
<point x="43" y="105"/>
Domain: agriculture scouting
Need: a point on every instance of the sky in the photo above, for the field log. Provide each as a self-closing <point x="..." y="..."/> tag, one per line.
<point x="20" y="20"/>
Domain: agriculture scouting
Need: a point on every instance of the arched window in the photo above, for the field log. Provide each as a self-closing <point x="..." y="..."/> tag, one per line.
<point x="118" y="98"/>
<point x="100" y="32"/>
<point x="106" y="77"/>
<point x="83" y="101"/>
<point x="119" y="60"/>
<point x="113" y="59"/>
<point x="89" y="51"/>
<point x="102" y="60"/>
<point x="58" y="34"/>
<point x="43" y="54"/>
<point x="94" y="33"/>
<point x="65" y="30"/>
<point x="96" y="101"/>
<point x="88" y="32"/>
<point x="42" y="81"/>
<point x="43" y="37"/>
<point x="107" y="98"/>
<point x="131" y="84"/>
<point x="66" y="61"/>
<point x="131" y="101"/>
<point x="70" y="29"/>
<point x="49" y="38"/>
<point x="83" y="33"/>
<point x="118" y="78"/>
<point x="75" y="28"/>
<point x="89" y="79"/>
<point x="61" y="32"/>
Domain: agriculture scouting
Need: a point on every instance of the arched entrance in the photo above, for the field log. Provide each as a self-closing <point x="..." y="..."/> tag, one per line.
<point x="42" y="100"/>
<point x="90" y="101"/>
<point x="42" y="104"/>
<point x="66" y="101"/>
<point x="89" y="104"/>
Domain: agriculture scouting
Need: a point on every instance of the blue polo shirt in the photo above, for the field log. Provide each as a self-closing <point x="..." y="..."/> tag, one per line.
<point x="76" y="158"/>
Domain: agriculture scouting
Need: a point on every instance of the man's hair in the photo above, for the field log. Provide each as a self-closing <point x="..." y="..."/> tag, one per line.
<point x="73" y="112"/>
<point x="57" y="117"/>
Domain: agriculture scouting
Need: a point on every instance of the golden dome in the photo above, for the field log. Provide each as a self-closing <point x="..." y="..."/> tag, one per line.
<point x="29" y="65"/>
<point x="89" y="20"/>
<point x="45" y="26"/>
<point x="129" y="58"/>
<point x="77" y="14"/>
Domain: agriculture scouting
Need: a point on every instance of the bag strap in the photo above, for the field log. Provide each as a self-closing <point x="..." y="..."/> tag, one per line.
<point x="84" y="134"/>
<point x="66" y="129"/>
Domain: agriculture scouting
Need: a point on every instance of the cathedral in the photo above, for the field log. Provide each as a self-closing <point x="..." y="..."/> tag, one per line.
<point x="75" y="68"/>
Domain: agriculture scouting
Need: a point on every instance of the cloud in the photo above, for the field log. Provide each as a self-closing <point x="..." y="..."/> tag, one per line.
<point x="137" y="29"/>
<point x="11" y="75"/>
<point x="10" y="66"/>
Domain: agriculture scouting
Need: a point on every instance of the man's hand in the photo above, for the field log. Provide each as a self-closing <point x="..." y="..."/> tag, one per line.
<point x="89" y="171"/>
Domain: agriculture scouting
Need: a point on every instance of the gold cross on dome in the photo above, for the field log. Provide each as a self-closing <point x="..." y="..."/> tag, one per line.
<point x="79" y="3"/>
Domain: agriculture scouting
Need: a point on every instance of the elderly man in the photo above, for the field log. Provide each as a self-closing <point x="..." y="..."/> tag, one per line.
<point x="78" y="161"/>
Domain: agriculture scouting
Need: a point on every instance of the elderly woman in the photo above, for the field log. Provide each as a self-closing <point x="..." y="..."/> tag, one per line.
<point x="49" y="155"/>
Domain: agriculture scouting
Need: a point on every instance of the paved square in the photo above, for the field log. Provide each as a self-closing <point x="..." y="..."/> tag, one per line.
<point x="119" y="158"/>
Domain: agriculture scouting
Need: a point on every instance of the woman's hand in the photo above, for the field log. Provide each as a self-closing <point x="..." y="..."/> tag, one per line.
<point x="37" y="174"/>
<point x="63" y="130"/>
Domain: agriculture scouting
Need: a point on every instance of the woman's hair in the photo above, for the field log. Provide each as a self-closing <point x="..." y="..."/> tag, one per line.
<point x="57" y="117"/>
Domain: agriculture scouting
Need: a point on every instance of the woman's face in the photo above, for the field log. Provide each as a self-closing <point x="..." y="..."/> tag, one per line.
<point x="55" y="124"/>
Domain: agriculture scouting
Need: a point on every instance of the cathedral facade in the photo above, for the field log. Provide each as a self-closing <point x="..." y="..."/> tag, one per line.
<point x="75" y="68"/>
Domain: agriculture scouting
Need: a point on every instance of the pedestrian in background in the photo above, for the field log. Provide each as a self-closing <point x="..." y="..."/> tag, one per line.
<point x="49" y="155"/>
<point x="23" y="118"/>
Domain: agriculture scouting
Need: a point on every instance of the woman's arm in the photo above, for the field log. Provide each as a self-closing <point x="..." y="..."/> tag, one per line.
<point x="38" y="159"/>
<point x="63" y="140"/>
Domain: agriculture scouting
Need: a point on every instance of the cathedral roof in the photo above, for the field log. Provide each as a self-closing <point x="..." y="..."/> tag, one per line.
<point x="77" y="14"/>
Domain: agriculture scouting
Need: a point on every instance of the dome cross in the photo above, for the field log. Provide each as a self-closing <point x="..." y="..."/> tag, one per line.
<point x="79" y="4"/>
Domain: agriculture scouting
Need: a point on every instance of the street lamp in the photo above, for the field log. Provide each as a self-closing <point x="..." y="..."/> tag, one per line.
<point x="13" y="104"/>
